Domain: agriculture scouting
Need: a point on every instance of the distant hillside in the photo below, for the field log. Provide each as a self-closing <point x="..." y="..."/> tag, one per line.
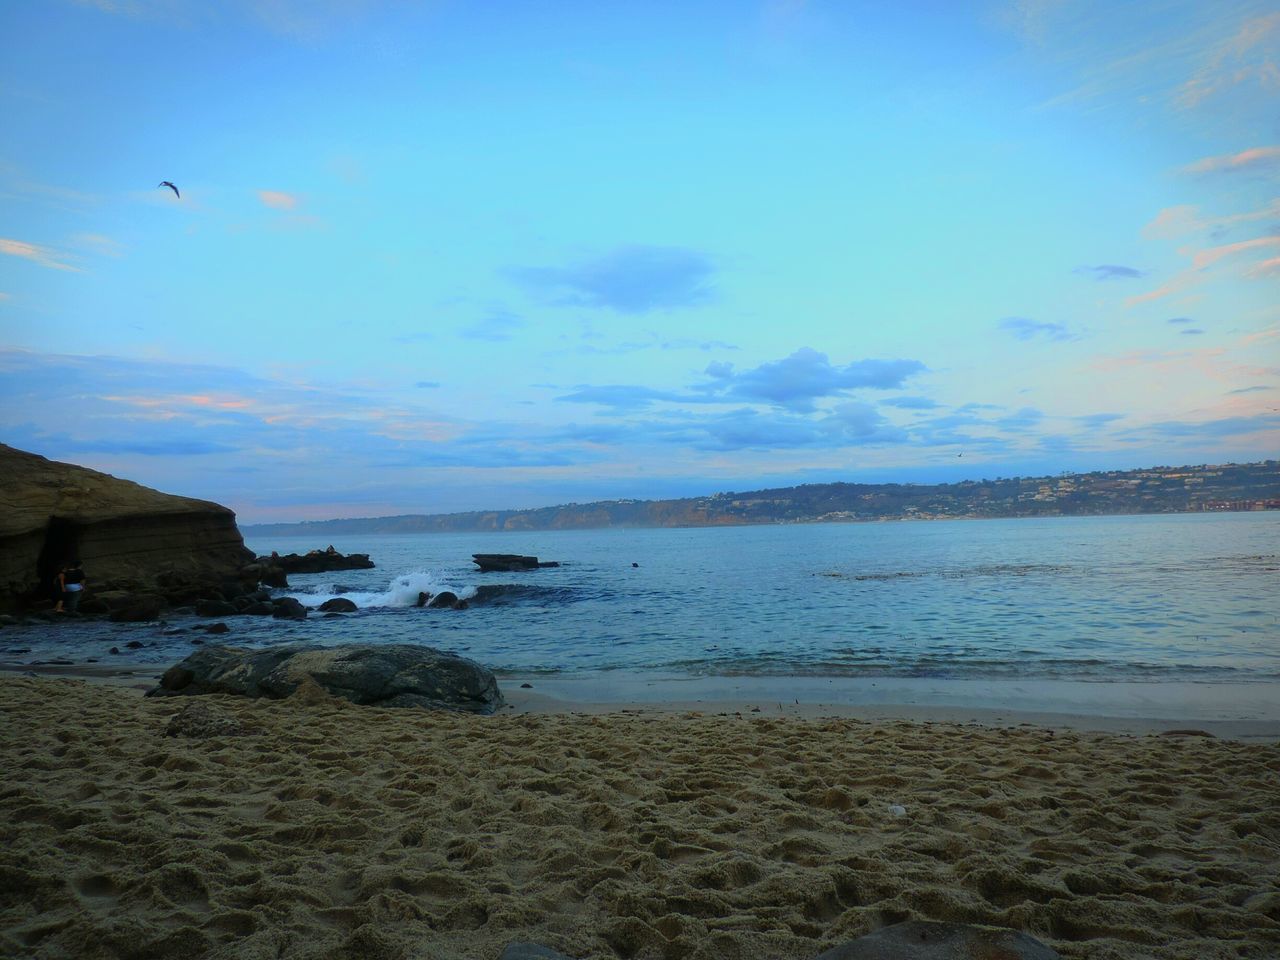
<point x="1250" y="486"/>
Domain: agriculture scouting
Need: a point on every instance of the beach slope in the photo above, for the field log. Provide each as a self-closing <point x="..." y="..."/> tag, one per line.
<point x="310" y="828"/>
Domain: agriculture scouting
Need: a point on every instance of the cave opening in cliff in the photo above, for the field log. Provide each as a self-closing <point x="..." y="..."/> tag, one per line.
<point x="61" y="543"/>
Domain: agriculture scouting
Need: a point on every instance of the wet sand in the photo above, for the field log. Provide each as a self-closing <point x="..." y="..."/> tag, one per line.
<point x="330" y="830"/>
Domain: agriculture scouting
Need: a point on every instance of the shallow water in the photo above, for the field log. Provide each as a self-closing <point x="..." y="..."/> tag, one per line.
<point x="1182" y="597"/>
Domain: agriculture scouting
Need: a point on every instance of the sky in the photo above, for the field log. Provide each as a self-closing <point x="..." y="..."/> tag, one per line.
<point x="441" y="256"/>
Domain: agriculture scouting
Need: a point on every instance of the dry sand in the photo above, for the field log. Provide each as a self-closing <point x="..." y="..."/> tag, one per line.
<point x="330" y="830"/>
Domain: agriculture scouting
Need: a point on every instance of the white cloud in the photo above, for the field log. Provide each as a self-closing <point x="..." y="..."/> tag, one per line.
<point x="44" y="256"/>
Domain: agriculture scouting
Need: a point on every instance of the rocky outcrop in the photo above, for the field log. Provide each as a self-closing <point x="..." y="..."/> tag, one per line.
<point x="131" y="538"/>
<point x="508" y="561"/>
<point x="390" y="675"/>
<point x="318" y="561"/>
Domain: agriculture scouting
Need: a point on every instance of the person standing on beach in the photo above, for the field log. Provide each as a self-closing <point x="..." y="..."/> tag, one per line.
<point x="71" y="582"/>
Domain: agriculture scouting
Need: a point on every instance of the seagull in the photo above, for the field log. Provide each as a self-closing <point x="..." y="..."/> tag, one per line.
<point x="166" y="183"/>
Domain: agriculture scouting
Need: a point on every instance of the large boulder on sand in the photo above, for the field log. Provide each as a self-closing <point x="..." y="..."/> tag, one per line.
<point x="127" y="535"/>
<point x="390" y="675"/>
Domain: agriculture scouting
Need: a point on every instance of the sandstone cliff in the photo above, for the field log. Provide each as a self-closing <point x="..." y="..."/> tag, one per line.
<point x="130" y="537"/>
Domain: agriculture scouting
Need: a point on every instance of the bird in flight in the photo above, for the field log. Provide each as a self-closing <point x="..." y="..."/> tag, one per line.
<point x="166" y="183"/>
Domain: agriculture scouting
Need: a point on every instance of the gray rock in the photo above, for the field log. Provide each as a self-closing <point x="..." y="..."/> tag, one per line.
<point x="929" y="940"/>
<point x="386" y="675"/>
<point x="215" y="608"/>
<point x="287" y="608"/>
<point x="141" y="609"/>
<point x="338" y="605"/>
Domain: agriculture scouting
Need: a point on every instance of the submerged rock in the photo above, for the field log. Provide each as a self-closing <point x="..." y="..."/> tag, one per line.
<point x="387" y="675"/>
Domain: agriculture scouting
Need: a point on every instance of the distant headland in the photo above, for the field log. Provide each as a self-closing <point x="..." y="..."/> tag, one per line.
<point x="1187" y="489"/>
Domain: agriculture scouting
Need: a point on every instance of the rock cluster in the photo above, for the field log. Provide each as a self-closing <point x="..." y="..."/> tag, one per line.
<point x="387" y="675"/>
<point x="317" y="561"/>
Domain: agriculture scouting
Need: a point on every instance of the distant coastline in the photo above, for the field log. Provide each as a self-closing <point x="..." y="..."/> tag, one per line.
<point x="1187" y="489"/>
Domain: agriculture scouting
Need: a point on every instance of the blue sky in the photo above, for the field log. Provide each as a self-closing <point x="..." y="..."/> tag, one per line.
<point x="441" y="256"/>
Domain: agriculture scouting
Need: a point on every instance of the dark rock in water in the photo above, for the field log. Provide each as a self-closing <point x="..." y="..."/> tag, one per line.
<point x="115" y="650"/>
<point x="318" y="561"/>
<point x="530" y="951"/>
<point x="526" y="686"/>
<point x="443" y="599"/>
<point x="135" y="645"/>
<point x="259" y="608"/>
<point x="423" y="597"/>
<point x="200" y="720"/>
<point x="338" y="605"/>
<point x="287" y="608"/>
<point x="929" y="940"/>
<point x="215" y="608"/>
<point x="267" y="572"/>
<point x="488" y="562"/>
<point x="460" y="604"/>
<point x="218" y="627"/>
<point x="140" y="610"/>
<point x="388" y="675"/>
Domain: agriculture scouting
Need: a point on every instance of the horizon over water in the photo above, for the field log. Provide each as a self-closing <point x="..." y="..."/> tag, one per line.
<point x="1164" y="599"/>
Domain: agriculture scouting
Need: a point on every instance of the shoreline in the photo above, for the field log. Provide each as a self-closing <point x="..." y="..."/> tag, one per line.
<point x="1246" y="712"/>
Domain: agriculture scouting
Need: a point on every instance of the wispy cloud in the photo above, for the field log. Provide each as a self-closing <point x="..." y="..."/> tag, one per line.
<point x="625" y="396"/>
<point x="1267" y="268"/>
<point x="1202" y="260"/>
<point x="34" y="253"/>
<point x="1173" y="222"/>
<point x="911" y="403"/>
<point x="1253" y="160"/>
<point x="1247" y="57"/>
<point x="100" y="244"/>
<point x="1179" y="320"/>
<point x="808" y="375"/>
<point x="631" y="279"/>
<point x="1111" y="271"/>
<point x="1094" y="421"/>
<point x="278" y="200"/>
<point x="1025" y="328"/>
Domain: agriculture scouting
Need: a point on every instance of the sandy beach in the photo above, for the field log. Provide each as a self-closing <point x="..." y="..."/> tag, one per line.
<point x="325" y="829"/>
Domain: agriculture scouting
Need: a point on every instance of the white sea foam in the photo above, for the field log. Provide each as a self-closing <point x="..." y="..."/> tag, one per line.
<point x="401" y="592"/>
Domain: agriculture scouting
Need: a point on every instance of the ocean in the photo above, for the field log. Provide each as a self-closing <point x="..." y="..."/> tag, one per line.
<point x="1187" y="598"/>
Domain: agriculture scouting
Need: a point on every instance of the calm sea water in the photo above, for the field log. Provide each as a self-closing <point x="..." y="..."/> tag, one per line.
<point x="1184" y="597"/>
